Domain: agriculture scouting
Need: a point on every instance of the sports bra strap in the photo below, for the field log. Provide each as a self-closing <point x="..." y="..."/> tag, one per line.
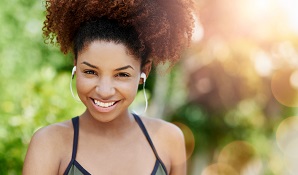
<point x="75" y="122"/>
<point x="143" y="128"/>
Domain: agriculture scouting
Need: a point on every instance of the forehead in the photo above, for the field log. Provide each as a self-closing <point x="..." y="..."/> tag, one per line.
<point x="108" y="54"/>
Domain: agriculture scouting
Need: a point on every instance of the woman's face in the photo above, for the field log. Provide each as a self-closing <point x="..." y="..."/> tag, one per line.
<point x="107" y="79"/>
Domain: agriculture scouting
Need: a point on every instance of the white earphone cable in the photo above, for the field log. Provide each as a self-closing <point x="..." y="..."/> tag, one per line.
<point x="145" y="96"/>
<point x="146" y="100"/>
<point x="71" y="91"/>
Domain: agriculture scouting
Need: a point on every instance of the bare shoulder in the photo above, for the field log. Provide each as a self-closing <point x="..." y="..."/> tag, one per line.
<point x="52" y="137"/>
<point x="163" y="128"/>
<point x="47" y="147"/>
<point x="53" y="132"/>
<point x="169" y="142"/>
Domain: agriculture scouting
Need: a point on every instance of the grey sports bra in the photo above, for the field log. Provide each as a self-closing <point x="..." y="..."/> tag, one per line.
<point x="74" y="167"/>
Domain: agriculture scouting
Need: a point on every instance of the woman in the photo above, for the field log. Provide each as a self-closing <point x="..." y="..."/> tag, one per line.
<point x="114" y="43"/>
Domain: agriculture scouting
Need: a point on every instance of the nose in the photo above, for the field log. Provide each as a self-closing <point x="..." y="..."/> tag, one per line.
<point x="105" y="88"/>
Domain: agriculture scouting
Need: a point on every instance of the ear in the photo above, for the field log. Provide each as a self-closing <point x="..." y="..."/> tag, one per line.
<point x="146" y="69"/>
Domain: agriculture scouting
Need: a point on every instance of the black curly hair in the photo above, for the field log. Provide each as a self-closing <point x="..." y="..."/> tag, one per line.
<point x="156" y="29"/>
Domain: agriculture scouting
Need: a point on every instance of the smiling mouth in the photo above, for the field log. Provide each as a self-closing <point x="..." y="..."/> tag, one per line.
<point x="104" y="105"/>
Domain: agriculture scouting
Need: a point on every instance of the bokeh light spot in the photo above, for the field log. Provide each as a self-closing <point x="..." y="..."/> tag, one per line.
<point x="189" y="138"/>
<point x="237" y="154"/>
<point x="283" y="87"/>
<point x="219" y="169"/>
<point x="287" y="141"/>
<point x="294" y="79"/>
<point x="263" y="63"/>
<point x="287" y="136"/>
<point x="204" y="85"/>
<point x="291" y="165"/>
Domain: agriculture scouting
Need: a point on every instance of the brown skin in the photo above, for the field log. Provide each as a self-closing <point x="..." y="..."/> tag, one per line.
<point x="110" y="142"/>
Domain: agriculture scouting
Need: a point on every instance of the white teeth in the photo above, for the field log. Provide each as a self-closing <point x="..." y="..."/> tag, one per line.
<point x="104" y="105"/>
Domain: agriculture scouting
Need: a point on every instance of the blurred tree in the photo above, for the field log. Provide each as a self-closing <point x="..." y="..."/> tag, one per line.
<point x="228" y="80"/>
<point x="28" y="71"/>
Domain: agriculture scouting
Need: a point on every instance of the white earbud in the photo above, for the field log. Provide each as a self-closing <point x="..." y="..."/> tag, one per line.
<point x="143" y="75"/>
<point x="70" y="84"/>
<point x="73" y="71"/>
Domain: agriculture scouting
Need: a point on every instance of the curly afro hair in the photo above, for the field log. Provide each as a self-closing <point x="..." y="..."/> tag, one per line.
<point x="156" y="29"/>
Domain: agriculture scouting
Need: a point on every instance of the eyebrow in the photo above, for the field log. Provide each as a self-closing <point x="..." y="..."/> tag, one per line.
<point x="90" y="65"/>
<point x="124" y="67"/>
<point x="118" y="69"/>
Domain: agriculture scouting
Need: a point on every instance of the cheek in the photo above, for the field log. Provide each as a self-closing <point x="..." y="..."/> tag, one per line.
<point x="128" y="89"/>
<point x="84" y="85"/>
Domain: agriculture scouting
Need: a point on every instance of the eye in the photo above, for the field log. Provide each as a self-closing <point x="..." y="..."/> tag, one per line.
<point x="90" y="72"/>
<point x="122" y="74"/>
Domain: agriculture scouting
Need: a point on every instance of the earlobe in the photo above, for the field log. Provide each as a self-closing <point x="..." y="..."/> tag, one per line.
<point x="145" y="71"/>
<point x="142" y="78"/>
<point x="147" y="67"/>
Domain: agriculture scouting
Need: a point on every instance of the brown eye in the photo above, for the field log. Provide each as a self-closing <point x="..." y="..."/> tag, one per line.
<point x="122" y="75"/>
<point x="89" y="72"/>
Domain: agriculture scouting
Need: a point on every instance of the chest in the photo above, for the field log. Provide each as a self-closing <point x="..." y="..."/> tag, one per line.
<point x="134" y="156"/>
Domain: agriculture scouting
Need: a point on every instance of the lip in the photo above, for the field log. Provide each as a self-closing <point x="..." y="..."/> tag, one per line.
<point x="104" y="109"/>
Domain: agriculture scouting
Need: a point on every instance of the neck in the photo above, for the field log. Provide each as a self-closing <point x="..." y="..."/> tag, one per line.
<point x="118" y="126"/>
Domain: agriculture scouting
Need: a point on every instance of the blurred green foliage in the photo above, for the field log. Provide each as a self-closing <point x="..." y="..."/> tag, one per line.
<point x="34" y="81"/>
